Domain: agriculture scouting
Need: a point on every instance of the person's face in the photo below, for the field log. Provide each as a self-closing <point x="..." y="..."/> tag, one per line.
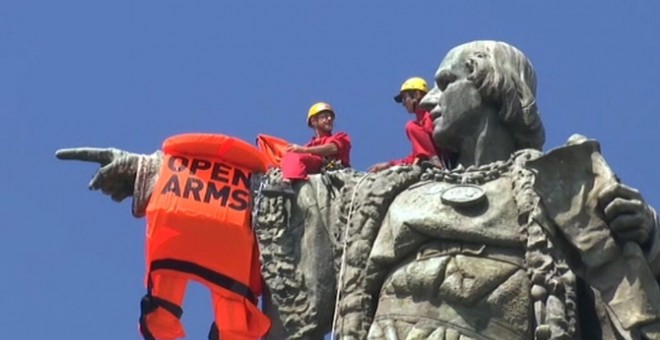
<point x="323" y="121"/>
<point x="410" y="100"/>
<point x="454" y="102"/>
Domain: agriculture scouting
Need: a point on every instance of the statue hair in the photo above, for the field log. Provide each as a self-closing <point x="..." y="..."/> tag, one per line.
<point x="506" y="77"/>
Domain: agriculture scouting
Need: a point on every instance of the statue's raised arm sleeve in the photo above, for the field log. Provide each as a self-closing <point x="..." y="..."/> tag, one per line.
<point x="145" y="179"/>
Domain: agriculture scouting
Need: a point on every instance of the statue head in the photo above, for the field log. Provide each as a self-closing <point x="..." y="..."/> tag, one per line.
<point x="480" y="77"/>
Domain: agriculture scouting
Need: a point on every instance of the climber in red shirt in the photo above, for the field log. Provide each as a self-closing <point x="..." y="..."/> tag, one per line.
<point x="324" y="148"/>
<point x="419" y="130"/>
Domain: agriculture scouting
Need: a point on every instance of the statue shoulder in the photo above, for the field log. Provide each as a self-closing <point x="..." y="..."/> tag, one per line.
<point x="578" y="152"/>
<point x="568" y="181"/>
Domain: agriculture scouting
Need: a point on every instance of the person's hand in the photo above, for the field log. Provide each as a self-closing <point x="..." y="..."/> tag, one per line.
<point x="378" y="167"/>
<point x="115" y="177"/>
<point x="626" y="213"/>
<point x="296" y="148"/>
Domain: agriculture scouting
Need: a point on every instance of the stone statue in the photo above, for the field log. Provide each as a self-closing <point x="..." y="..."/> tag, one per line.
<point x="512" y="244"/>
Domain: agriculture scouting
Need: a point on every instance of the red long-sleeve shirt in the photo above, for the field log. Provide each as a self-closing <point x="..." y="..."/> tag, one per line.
<point x="343" y="143"/>
<point x="419" y="132"/>
<point x="299" y="165"/>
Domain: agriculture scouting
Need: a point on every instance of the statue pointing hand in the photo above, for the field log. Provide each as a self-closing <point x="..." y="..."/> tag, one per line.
<point x="115" y="177"/>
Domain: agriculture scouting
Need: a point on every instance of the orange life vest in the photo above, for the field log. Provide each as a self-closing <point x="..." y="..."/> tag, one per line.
<point x="273" y="149"/>
<point x="198" y="228"/>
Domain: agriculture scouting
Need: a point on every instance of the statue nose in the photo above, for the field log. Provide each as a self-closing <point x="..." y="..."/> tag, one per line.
<point x="430" y="100"/>
<point x="435" y="114"/>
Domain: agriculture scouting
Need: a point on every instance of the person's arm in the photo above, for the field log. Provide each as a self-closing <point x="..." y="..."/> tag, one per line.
<point x="334" y="145"/>
<point x="408" y="160"/>
<point x="329" y="149"/>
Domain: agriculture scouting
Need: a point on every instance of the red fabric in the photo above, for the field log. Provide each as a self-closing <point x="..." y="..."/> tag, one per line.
<point x="299" y="165"/>
<point x="273" y="148"/>
<point x="419" y="132"/>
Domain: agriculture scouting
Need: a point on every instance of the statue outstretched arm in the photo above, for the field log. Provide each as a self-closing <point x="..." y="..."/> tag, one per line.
<point x="122" y="173"/>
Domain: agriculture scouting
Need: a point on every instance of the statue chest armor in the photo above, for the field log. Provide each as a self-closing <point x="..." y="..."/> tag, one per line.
<point x="484" y="213"/>
<point x="465" y="265"/>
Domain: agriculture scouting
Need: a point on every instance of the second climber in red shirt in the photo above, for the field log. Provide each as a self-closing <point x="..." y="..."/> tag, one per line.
<point x="418" y="130"/>
<point x="324" y="148"/>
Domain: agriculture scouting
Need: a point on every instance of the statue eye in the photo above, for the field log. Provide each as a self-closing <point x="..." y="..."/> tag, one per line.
<point x="480" y="55"/>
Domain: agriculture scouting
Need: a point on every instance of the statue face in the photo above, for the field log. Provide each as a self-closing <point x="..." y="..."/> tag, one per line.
<point x="454" y="102"/>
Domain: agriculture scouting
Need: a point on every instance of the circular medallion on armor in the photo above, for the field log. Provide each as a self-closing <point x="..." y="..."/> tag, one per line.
<point x="463" y="195"/>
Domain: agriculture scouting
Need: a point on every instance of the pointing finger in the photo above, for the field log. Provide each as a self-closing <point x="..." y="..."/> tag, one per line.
<point x="98" y="155"/>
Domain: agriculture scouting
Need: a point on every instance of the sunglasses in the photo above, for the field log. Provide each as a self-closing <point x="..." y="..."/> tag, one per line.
<point x="325" y="115"/>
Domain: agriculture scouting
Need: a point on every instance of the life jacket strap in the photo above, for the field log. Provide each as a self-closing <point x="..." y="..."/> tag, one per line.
<point x="148" y="305"/>
<point x="214" y="277"/>
<point x="214" y="333"/>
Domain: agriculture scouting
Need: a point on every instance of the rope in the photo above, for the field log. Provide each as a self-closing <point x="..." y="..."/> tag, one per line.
<point x="343" y="255"/>
<point x="258" y="196"/>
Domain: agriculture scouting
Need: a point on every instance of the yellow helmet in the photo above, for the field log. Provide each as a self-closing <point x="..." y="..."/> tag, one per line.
<point x="414" y="83"/>
<point x="316" y="109"/>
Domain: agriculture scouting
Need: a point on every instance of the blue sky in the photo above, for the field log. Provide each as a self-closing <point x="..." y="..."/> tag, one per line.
<point x="131" y="73"/>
